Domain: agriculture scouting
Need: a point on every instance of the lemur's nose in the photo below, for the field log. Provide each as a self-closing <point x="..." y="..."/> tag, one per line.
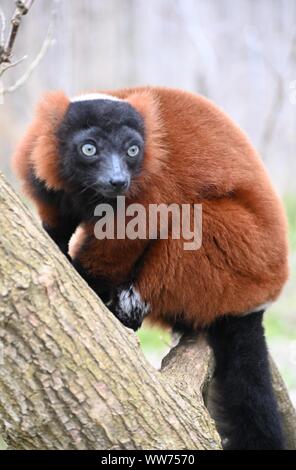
<point x="118" y="182"/>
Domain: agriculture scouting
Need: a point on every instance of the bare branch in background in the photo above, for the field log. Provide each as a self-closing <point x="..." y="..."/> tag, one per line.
<point x="6" y="47"/>
<point x="48" y="42"/>
<point x="21" y="10"/>
<point x="9" y="65"/>
<point x="3" y="28"/>
<point x="205" y="52"/>
<point x="279" y="77"/>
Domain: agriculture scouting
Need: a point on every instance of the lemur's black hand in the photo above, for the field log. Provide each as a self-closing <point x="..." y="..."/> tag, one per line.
<point x="124" y="302"/>
<point x="128" y="306"/>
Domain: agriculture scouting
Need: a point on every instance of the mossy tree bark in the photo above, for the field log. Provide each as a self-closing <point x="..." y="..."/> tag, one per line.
<point x="71" y="376"/>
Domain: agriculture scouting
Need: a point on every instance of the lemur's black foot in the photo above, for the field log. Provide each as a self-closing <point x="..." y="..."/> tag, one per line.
<point x="246" y="409"/>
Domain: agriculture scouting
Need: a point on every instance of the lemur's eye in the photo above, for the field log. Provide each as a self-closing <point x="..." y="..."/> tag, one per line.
<point x="133" y="151"/>
<point x="88" y="149"/>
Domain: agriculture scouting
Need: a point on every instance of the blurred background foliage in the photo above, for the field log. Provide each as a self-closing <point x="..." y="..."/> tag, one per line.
<point x="240" y="54"/>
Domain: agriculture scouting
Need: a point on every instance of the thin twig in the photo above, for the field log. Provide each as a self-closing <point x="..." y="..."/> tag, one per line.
<point x="3" y="29"/>
<point x="21" y="10"/>
<point x="8" y="65"/>
<point x="47" y="43"/>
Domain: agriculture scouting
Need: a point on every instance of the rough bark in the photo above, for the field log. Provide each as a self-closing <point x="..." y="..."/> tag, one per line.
<point x="286" y="408"/>
<point x="72" y="377"/>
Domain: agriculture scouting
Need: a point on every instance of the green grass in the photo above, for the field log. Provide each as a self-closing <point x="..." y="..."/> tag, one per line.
<point x="3" y="445"/>
<point x="277" y="326"/>
<point x="290" y="205"/>
<point x="281" y="319"/>
<point x="154" y="340"/>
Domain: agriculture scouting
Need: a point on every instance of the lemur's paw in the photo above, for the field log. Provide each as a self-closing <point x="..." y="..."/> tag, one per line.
<point x="128" y="306"/>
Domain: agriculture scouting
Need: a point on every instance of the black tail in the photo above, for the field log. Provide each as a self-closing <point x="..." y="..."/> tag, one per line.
<point x="250" y="419"/>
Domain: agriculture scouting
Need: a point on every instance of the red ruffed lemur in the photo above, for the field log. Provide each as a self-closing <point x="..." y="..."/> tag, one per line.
<point x="164" y="146"/>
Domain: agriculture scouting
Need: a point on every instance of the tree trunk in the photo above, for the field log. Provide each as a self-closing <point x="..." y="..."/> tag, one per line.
<point x="72" y="377"/>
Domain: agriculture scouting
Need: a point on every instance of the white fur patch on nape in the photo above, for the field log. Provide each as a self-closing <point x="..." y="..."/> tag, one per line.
<point x="130" y="301"/>
<point x="94" y="96"/>
<point x="258" y="308"/>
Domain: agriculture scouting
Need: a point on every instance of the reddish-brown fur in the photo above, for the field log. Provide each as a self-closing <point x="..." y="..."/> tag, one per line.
<point x="38" y="149"/>
<point x="194" y="154"/>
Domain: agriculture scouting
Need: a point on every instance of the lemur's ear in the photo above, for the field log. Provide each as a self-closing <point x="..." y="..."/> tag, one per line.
<point x="50" y="113"/>
<point x="147" y="104"/>
<point x="38" y="149"/>
<point x="52" y="107"/>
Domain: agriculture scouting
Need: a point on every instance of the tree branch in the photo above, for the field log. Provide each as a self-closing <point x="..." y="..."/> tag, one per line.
<point x="286" y="408"/>
<point x="72" y="377"/>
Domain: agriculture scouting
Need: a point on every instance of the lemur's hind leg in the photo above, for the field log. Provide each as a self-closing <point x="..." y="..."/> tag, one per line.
<point x="246" y="406"/>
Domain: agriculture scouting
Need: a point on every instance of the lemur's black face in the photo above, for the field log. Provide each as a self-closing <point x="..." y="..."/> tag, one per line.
<point x="101" y="146"/>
